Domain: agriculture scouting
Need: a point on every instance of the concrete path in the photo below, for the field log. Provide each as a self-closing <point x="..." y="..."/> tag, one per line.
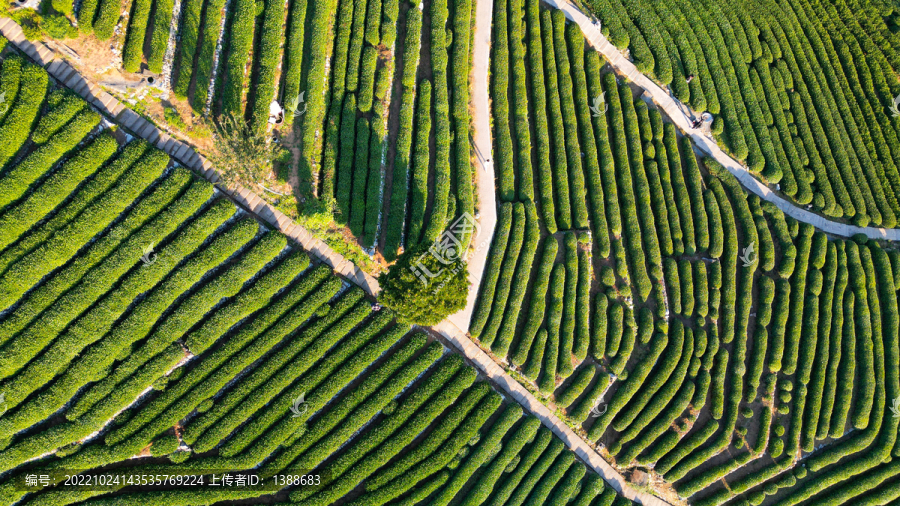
<point x="572" y="440"/>
<point x="484" y="166"/>
<point x="676" y="111"/>
<point x="183" y="154"/>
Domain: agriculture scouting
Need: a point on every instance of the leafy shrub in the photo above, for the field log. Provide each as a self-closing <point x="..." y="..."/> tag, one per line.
<point x="670" y="267"/>
<point x="716" y="232"/>
<point x="267" y="59"/>
<point x="419" y="195"/>
<point x="659" y="388"/>
<point x="17" y="124"/>
<point x="158" y="354"/>
<point x="492" y="271"/>
<point x="582" y="306"/>
<point x="241" y="155"/>
<point x="633" y="245"/>
<point x="164" y="445"/>
<point x="402" y="161"/>
<point x="630" y="386"/>
<point x="576" y="386"/>
<point x="538" y="97"/>
<point x="519" y="286"/>
<point x="537" y="304"/>
<point x="136" y="31"/>
<point x="599" y="329"/>
<point x="588" y="144"/>
<point x="243" y="23"/>
<point x="312" y="291"/>
<point x="531" y="368"/>
<point x="547" y="380"/>
<point x="701" y="292"/>
<point x="562" y="200"/>
<point x="507" y="272"/>
<point x="159" y="39"/>
<point x="567" y="331"/>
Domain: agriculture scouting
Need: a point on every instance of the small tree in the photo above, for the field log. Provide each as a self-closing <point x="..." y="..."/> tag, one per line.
<point x="425" y="285"/>
<point x="240" y="154"/>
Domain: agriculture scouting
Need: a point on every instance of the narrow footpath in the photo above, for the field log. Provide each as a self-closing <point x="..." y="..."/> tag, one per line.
<point x="676" y="112"/>
<point x="484" y="165"/>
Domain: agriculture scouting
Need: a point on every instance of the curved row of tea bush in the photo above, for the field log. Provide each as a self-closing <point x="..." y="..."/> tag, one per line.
<point x="692" y="323"/>
<point x="798" y="90"/>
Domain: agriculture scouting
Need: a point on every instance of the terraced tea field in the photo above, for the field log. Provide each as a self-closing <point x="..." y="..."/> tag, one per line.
<point x="151" y="327"/>
<point x="684" y="324"/>
<point x="803" y="91"/>
<point x="711" y="347"/>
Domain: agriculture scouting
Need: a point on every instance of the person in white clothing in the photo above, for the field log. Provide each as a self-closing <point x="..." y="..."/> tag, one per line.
<point x="276" y="113"/>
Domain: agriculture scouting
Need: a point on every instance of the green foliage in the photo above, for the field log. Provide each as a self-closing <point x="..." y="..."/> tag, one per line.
<point x="55" y="187"/>
<point x="576" y="386"/>
<point x="16" y="181"/>
<point x="442" y="293"/>
<point x="58" y="26"/>
<point x="240" y="43"/>
<point x="547" y="380"/>
<point x="492" y="271"/>
<point x="518" y="289"/>
<point x="184" y="58"/>
<point x="136" y="31"/>
<point x="21" y="275"/>
<point x="396" y="218"/>
<point x="562" y="200"/>
<point x="18" y="121"/>
<point x="267" y="58"/>
<point x="164" y="445"/>
<point x="159" y="38"/>
<point x="567" y="331"/>
<point x="507" y="272"/>
<point x="537" y="304"/>
<point x="630" y="386"/>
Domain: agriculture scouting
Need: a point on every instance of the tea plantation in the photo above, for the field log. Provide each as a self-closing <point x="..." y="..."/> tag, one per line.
<point x="151" y="327"/>
<point x="708" y="345"/>
<point x="379" y="89"/>
<point x="681" y="322"/>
